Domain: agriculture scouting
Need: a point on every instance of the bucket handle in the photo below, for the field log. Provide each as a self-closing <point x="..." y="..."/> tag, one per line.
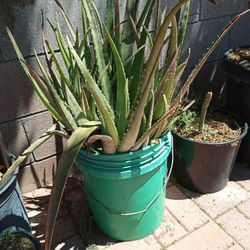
<point x="167" y="176"/>
<point x="172" y="160"/>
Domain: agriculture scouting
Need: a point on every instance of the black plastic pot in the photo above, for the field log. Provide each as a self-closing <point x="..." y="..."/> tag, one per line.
<point x="13" y="216"/>
<point x="204" y="167"/>
<point x="237" y="99"/>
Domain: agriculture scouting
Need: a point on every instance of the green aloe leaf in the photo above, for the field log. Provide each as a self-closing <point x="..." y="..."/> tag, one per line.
<point x="165" y="89"/>
<point x="61" y="43"/>
<point x="145" y="13"/>
<point x="108" y="146"/>
<point x="158" y="16"/>
<point x="97" y="17"/>
<point x="173" y="44"/>
<point x="117" y="21"/>
<point x="158" y="44"/>
<point x="177" y="36"/>
<point x="128" y="38"/>
<point x="67" y="20"/>
<point x="65" y="164"/>
<point x="64" y="76"/>
<point x="87" y="42"/>
<point x="97" y="43"/>
<point x="42" y="92"/>
<point x="54" y="89"/>
<point x="122" y="101"/>
<point x="183" y="25"/>
<point x="101" y="101"/>
<point x="110" y="14"/>
<point x="209" y="51"/>
<point x="84" y="46"/>
<point x="178" y="74"/>
<point x="147" y="82"/>
<point x="77" y="111"/>
<point x="138" y="63"/>
<point x="52" y="107"/>
<point x="136" y="119"/>
<point x="153" y="128"/>
<point x="150" y="117"/>
<point x="86" y="104"/>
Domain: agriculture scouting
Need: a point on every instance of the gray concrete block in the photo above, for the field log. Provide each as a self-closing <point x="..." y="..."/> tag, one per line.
<point x="17" y="97"/>
<point x="212" y="77"/>
<point x="15" y="138"/>
<point x="26" y="24"/>
<point x="222" y="8"/>
<point x="19" y="134"/>
<point x="101" y="6"/>
<point x="35" y="126"/>
<point x="240" y="33"/>
<point x="194" y="9"/>
<point x="73" y="10"/>
<point x="199" y="37"/>
<point x="166" y="6"/>
<point x="37" y="174"/>
<point x="194" y="17"/>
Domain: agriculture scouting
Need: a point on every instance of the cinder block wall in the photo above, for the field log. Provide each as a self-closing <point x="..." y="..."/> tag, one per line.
<point x="23" y="118"/>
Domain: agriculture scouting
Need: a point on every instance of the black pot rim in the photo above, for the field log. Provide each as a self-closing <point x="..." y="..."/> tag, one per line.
<point x="240" y="137"/>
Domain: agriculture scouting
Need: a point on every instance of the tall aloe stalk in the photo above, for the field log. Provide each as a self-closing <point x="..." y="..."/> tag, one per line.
<point x="109" y="85"/>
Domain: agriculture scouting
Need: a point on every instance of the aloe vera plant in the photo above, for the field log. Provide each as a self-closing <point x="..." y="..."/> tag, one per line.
<point x="109" y="84"/>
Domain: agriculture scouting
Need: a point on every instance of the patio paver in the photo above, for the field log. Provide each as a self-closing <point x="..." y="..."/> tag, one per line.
<point x="245" y="208"/>
<point x="147" y="244"/>
<point x="169" y="231"/>
<point x="236" y="225"/>
<point x="183" y="209"/>
<point x="192" y="221"/>
<point x="236" y="247"/>
<point x="241" y="174"/>
<point x="209" y="236"/>
<point x="217" y="203"/>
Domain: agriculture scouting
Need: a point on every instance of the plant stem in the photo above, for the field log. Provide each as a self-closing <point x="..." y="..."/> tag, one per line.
<point x="4" y="153"/>
<point x="205" y="106"/>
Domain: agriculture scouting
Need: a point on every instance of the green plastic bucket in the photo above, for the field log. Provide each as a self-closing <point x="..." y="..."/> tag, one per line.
<point x="126" y="192"/>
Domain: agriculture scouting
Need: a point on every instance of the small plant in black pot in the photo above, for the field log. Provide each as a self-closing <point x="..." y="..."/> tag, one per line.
<point x="15" y="230"/>
<point x="237" y="91"/>
<point x="206" y="145"/>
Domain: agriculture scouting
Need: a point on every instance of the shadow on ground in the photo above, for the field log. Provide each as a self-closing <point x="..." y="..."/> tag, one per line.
<point x="75" y="224"/>
<point x="240" y="172"/>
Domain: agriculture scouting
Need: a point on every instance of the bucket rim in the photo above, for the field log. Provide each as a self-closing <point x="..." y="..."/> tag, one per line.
<point x="151" y="147"/>
<point x="123" y="171"/>
<point x="125" y="159"/>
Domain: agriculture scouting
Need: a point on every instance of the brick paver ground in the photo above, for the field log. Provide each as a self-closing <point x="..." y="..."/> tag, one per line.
<point x="217" y="221"/>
